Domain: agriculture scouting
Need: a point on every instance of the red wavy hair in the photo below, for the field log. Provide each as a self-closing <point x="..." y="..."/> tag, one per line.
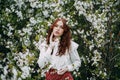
<point x="65" y="38"/>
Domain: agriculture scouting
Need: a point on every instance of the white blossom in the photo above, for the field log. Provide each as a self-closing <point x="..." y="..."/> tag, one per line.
<point x="25" y="72"/>
<point x="34" y="4"/>
<point x="27" y="30"/>
<point x="30" y="11"/>
<point x="32" y="0"/>
<point x="19" y="78"/>
<point x="19" y="13"/>
<point x="12" y="8"/>
<point x="39" y="5"/>
<point x="19" y="3"/>
<point x="74" y="32"/>
<point x="91" y="47"/>
<point x="45" y="13"/>
<point x="89" y="18"/>
<point x="3" y="77"/>
<point x="14" y="73"/>
<point x="5" y="70"/>
<point x="96" y="57"/>
<point x="9" y="33"/>
<point x="1" y="66"/>
<point x="46" y="4"/>
<point x="7" y="10"/>
<point x="105" y="74"/>
<point x="58" y="9"/>
<point x="33" y="21"/>
<point x="53" y="5"/>
<point x="10" y="27"/>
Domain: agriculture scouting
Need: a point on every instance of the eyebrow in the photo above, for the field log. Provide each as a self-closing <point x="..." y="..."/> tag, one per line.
<point x="60" y="25"/>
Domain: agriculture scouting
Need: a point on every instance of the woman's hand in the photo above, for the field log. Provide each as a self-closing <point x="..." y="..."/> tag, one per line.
<point x="62" y="71"/>
<point x="52" y="43"/>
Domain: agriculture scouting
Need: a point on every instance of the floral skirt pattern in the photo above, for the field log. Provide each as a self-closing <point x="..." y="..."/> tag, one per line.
<point x="52" y="75"/>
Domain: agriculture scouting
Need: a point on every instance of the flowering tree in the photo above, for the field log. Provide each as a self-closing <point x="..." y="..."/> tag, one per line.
<point x="94" y="25"/>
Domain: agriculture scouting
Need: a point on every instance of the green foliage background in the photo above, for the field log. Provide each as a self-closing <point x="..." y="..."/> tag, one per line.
<point x="95" y="26"/>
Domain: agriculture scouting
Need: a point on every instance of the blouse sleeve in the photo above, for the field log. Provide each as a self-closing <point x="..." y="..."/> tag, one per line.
<point x="44" y="56"/>
<point x="74" y="57"/>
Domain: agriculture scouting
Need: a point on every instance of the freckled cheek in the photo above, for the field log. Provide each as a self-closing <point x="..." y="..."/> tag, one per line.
<point x="61" y="32"/>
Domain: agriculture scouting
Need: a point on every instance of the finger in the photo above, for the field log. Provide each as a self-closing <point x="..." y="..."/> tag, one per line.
<point x="51" y="36"/>
<point x="60" y="73"/>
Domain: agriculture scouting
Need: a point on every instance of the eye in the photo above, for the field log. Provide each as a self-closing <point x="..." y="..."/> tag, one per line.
<point x="56" y="26"/>
<point x="62" y="27"/>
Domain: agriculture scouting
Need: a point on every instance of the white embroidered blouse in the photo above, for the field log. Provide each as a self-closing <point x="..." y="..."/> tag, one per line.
<point x="71" y="58"/>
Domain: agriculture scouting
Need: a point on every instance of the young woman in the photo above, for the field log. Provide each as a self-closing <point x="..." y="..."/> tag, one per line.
<point x="60" y="52"/>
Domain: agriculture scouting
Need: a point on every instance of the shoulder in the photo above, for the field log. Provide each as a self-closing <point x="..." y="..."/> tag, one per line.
<point x="74" y="45"/>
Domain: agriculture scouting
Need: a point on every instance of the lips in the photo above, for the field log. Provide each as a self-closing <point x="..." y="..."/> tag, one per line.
<point x="57" y="32"/>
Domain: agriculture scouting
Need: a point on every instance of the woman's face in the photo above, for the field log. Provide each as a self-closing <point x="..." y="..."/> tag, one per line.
<point x="58" y="29"/>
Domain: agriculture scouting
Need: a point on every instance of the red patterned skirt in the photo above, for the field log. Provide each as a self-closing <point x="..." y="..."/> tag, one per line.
<point x="52" y="75"/>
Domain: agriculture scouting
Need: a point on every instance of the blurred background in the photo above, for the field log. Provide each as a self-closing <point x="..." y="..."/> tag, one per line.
<point x="95" y="26"/>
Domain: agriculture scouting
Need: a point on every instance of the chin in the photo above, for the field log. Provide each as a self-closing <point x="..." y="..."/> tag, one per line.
<point x="56" y="35"/>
